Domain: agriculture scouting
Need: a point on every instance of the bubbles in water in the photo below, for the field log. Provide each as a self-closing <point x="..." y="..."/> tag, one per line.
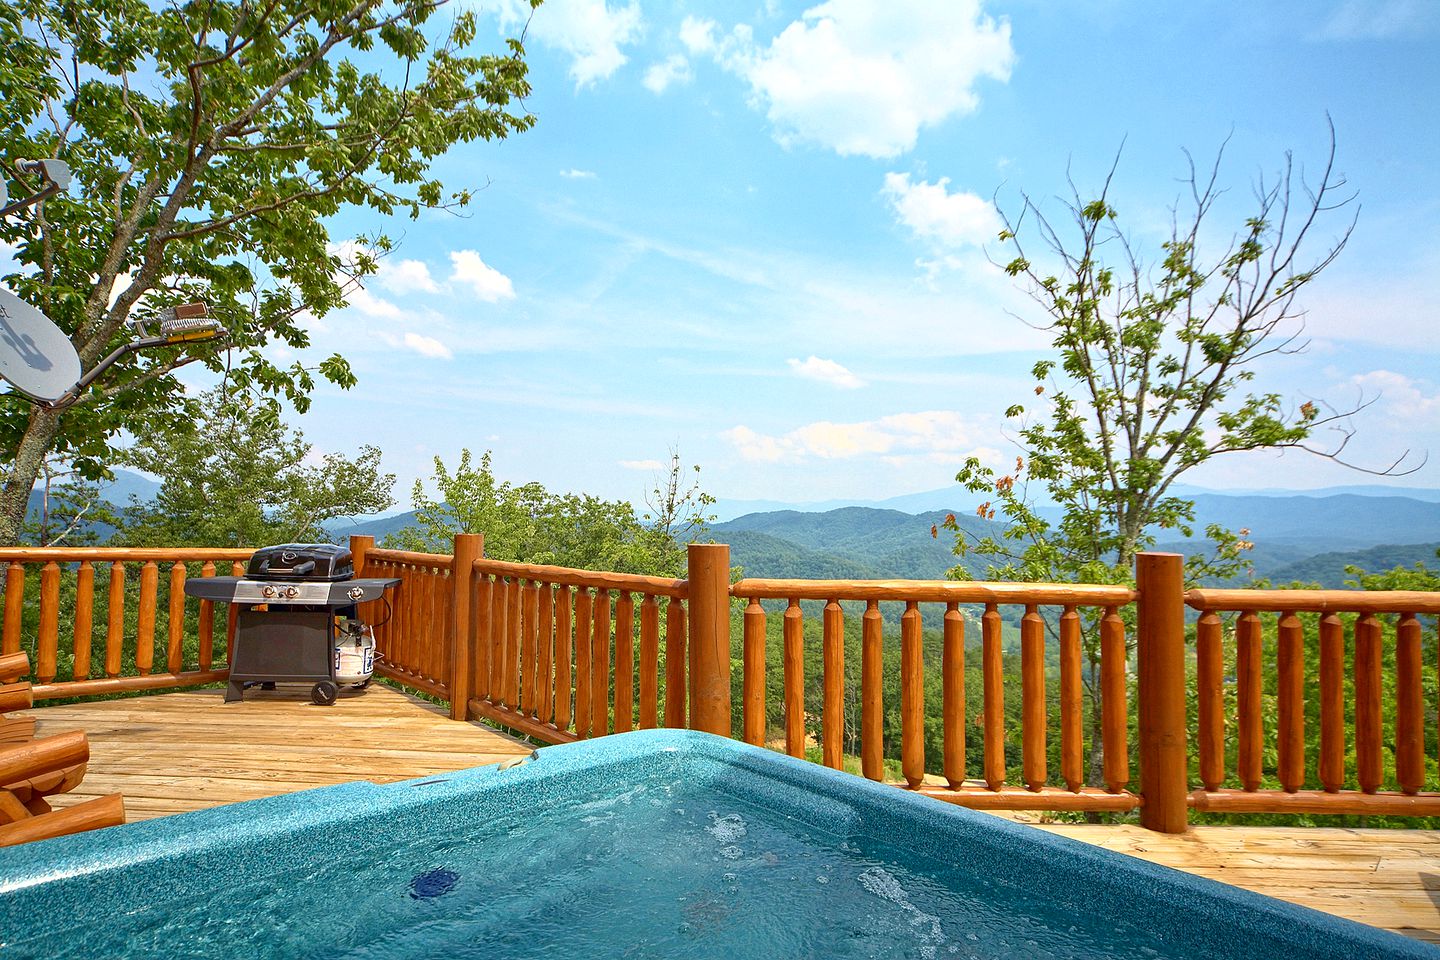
<point x="726" y="829"/>
<point x="883" y="884"/>
<point x="731" y="852"/>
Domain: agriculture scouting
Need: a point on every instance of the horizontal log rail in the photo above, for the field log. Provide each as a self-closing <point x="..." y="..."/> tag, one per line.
<point x="1314" y="601"/>
<point x="936" y="591"/>
<point x="123" y="554"/>
<point x="635" y="583"/>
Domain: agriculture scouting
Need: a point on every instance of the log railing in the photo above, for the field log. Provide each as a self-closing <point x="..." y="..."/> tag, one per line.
<point x="564" y="654"/>
<point x="1274" y="665"/>
<point x="412" y="622"/>
<point x="123" y="622"/>
<point x="971" y="781"/>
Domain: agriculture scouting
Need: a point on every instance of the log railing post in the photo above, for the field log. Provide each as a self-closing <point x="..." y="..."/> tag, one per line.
<point x="469" y="547"/>
<point x="359" y="546"/>
<point x="1160" y="668"/>
<point x="709" y="576"/>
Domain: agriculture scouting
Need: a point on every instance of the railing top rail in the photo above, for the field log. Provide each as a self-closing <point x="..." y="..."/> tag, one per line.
<point x="599" y="580"/>
<point x="410" y="557"/>
<point x="1314" y="601"/>
<point x="936" y="591"/>
<point x="77" y="554"/>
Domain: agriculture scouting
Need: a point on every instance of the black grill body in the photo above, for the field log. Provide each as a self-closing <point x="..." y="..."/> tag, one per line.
<point x="288" y="603"/>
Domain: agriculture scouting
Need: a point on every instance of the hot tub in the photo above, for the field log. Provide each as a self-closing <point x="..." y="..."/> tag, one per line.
<point x="660" y="844"/>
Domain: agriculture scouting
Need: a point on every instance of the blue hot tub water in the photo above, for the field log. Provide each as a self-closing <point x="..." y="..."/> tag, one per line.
<point x="647" y="845"/>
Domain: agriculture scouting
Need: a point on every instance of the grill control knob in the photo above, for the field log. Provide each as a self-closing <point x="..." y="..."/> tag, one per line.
<point x="292" y="592"/>
<point x="267" y="591"/>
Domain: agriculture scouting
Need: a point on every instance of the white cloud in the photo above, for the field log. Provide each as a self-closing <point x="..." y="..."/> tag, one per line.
<point x="673" y="69"/>
<point x="427" y="346"/>
<point x="1379" y="19"/>
<point x="489" y="284"/>
<point x="932" y="212"/>
<point x="698" y="35"/>
<point x="573" y="174"/>
<point x="929" y="433"/>
<point x="864" y="76"/>
<point x="372" y="306"/>
<point x="1404" y="398"/>
<point x="591" y="32"/>
<point x="826" y="371"/>
<point x="406" y="276"/>
<point x="641" y="464"/>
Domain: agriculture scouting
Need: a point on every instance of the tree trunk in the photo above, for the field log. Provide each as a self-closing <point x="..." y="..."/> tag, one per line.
<point x="29" y="457"/>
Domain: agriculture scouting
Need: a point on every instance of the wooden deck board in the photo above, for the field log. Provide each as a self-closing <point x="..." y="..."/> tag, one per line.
<point x="177" y="752"/>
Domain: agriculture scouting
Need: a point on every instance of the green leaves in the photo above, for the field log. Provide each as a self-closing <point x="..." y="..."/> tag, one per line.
<point x="212" y="144"/>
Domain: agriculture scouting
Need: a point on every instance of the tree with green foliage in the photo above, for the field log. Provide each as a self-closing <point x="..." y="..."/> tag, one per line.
<point x="233" y="474"/>
<point x="530" y="524"/>
<point x="210" y="144"/>
<point x="1152" y="374"/>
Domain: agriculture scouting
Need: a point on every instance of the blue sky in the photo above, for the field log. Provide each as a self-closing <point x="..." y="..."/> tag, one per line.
<point x="757" y="231"/>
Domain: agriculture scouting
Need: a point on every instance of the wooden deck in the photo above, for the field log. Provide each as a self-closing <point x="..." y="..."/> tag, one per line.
<point x="186" y="751"/>
<point x="178" y="752"/>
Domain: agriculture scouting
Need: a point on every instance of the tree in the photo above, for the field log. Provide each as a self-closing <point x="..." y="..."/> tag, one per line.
<point x="71" y="510"/>
<point x="1152" y="374"/>
<point x="210" y="143"/>
<point x="530" y="524"/>
<point x="233" y="474"/>
<point x="677" y="513"/>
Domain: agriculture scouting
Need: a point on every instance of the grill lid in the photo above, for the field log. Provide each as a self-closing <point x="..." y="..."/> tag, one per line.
<point x="301" y="561"/>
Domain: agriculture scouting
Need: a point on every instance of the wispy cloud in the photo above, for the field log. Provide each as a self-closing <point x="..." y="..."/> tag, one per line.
<point x="825" y="371"/>
<point x="573" y="174"/>
<point x="641" y="464"/>
<point x="927" y="433"/>
<point x="1379" y="20"/>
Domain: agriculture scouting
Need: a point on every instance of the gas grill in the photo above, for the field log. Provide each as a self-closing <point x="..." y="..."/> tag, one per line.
<point x="297" y="619"/>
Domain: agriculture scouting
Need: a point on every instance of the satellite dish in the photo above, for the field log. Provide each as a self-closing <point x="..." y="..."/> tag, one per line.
<point x="36" y="357"/>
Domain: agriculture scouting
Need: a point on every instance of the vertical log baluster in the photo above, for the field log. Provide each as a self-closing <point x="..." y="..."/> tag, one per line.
<point x="912" y="696"/>
<point x="794" y="631"/>
<point x="1115" y="707"/>
<point x="530" y="648"/>
<point x="1409" y="707"/>
<point x="1210" y="694"/>
<point x="676" y="655"/>
<point x="145" y="618"/>
<point x="834" y="680"/>
<point x="515" y="623"/>
<point x="206" y="627"/>
<point x="545" y="668"/>
<point x="563" y="652"/>
<point x="872" y="678"/>
<point x="649" y="662"/>
<point x="1249" y="725"/>
<point x="1332" y="703"/>
<point x="1369" y="761"/>
<point x="753" y="685"/>
<point x="1072" y="705"/>
<point x="48" y="641"/>
<point x="115" y="619"/>
<point x="952" y="672"/>
<point x="84" y="618"/>
<point x="175" y="620"/>
<point x="499" y="630"/>
<point x="582" y="662"/>
<point x="600" y="665"/>
<point x="480" y="601"/>
<point x="1290" y="664"/>
<point x="993" y="671"/>
<point x="14" y="606"/>
<point x="624" y="662"/>
<point x="1032" y="698"/>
